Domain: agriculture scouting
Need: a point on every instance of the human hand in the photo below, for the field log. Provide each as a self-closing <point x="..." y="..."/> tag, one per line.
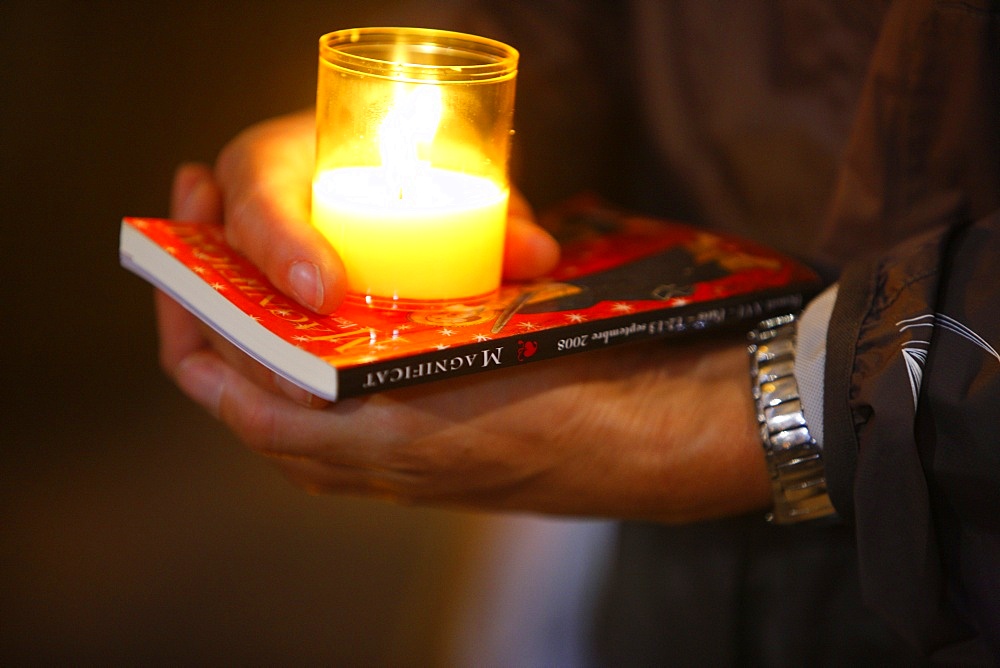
<point x="265" y="176"/>
<point x="653" y="431"/>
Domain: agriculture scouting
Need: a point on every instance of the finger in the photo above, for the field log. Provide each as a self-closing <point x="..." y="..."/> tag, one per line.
<point x="273" y="424"/>
<point x="257" y="372"/>
<point x="265" y="174"/>
<point x="201" y="376"/>
<point x="317" y="477"/>
<point x="182" y="335"/>
<point x="529" y="251"/>
<point x="179" y="332"/>
<point x="195" y="195"/>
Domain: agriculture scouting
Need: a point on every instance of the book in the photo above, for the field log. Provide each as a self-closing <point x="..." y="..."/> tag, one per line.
<point x="622" y="277"/>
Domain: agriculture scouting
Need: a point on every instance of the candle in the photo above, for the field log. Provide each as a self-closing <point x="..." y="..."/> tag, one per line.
<point x="413" y="130"/>
<point x="443" y="242"/>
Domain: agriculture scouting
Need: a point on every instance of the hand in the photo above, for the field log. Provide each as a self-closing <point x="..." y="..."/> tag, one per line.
<point x="659" y="431"/>
<point x="643" y="432"/>
<point x="266" y="175"/>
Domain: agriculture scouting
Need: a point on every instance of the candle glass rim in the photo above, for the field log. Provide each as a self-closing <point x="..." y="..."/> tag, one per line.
<point x="466" y="57"/>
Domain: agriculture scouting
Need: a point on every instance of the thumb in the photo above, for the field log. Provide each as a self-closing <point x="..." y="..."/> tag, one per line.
<point x="529" y="251"/>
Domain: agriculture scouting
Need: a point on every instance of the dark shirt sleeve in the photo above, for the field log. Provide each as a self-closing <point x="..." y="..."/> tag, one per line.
<point x="912" y="415"/>
<point x="912" y="423"/>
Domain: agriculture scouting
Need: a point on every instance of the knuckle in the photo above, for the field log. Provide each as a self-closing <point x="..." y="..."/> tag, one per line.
<point x="254" y="422"/>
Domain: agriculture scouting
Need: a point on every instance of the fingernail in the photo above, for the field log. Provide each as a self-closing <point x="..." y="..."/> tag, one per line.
<point x="307" y="285"/>
<point x="201" y="376"/>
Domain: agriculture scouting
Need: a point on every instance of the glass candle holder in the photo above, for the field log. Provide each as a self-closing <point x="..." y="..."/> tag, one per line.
<point x="413" y="131"/>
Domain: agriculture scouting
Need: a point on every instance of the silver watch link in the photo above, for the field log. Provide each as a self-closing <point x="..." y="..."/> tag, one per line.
<point x="794" y="459"/>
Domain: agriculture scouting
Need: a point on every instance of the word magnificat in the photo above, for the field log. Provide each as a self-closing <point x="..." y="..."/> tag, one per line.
<point x="468" y="362"/>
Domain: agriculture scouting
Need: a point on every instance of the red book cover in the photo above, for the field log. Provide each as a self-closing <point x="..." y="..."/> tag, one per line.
<point x="623" y="277"/>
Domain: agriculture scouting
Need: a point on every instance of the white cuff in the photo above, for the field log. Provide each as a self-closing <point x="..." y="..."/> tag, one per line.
<point x="810" y="358"/>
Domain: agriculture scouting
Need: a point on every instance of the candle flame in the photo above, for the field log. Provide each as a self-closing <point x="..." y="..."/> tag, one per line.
<point x="409" y="126"/>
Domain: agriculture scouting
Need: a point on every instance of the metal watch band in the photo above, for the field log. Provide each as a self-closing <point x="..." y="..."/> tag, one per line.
<point x="794" y="460"/>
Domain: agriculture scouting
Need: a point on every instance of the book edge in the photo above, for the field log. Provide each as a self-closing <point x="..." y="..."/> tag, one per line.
<point x="664" y="324"/>
<point x="144" y="257"/>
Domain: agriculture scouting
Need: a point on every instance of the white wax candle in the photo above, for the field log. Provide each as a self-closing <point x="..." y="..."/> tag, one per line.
<point x="439" y="239"/>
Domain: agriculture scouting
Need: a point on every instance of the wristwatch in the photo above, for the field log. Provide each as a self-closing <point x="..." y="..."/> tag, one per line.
<point x="794" y="459"/>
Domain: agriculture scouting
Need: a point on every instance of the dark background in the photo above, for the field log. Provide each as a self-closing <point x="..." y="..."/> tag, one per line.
<point x="134" y="528"/>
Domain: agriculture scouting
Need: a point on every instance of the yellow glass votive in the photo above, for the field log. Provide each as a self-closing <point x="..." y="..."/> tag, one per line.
<point x="413" y="130"/>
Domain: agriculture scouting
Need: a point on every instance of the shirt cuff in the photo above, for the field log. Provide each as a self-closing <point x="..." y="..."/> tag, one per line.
<point x="810" y="358"/>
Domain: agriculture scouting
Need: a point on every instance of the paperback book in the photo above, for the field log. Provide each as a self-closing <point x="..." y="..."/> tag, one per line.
<point x="622" y="278"/>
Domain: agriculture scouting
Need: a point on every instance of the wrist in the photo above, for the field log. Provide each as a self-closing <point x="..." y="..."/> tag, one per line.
<point x="723" y="474"/>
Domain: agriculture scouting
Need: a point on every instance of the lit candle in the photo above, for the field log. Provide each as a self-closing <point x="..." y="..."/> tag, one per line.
<point x="418" y="216"/>
<point x="442" y="247"/>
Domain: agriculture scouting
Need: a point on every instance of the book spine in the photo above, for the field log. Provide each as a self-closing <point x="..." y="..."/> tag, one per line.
<point x="531" y="346"/>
